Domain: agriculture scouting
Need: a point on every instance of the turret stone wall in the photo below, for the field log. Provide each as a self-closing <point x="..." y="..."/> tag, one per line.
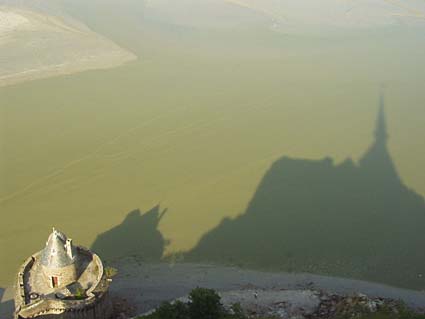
<point x="65" y="275"/>
<point x="79" y="290"/>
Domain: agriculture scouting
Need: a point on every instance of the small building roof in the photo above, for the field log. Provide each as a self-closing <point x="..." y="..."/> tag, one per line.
<point x="58" y="252"/>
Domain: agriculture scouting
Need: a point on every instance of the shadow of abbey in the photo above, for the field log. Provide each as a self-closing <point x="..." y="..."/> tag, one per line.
<point x="137" y="236"/>
<point x="351" y="219"/>
<point x="357" y="220"/>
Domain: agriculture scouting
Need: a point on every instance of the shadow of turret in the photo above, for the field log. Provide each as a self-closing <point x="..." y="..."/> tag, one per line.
<point x="348" y="219"/>
<point x="6" y="306"/>
<point x="137" y="236"/>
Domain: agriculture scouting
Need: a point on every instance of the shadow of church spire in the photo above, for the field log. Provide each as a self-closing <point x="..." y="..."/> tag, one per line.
<point x="356" y="220"/>
<point x="377" y="160"/>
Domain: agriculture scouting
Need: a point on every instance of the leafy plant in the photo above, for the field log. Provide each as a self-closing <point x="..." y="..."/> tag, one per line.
<point x="110" y="272"/>
<point x="236" y="312"/>
<point x="176" y="310"/>
<point x="205" y="304"/>
<point x="80" y="294"/>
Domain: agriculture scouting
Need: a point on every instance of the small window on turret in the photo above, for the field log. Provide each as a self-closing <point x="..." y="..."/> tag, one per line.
<point x="55" y="281"/>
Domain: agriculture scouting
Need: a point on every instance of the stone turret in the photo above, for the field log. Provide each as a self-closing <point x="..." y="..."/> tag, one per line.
<point x="63" y="281"/>
<point x="58" y="260"/>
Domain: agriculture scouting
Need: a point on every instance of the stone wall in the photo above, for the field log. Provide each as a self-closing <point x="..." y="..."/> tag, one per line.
<point x="97" y="305"/>
<point x="20" y="292"/>
<point x="66" y="275"/>
<point x="100" y="276"/>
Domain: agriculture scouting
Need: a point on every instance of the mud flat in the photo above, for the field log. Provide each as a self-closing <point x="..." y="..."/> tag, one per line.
<point x="36" y="45"/>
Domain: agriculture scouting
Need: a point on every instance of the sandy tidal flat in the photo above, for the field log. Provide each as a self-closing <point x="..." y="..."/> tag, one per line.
<point x="35" y="45"/>
<point x="10" y="21"/>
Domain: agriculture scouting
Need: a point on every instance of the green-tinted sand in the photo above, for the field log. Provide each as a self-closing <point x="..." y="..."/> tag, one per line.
<point x="193" y="125"/>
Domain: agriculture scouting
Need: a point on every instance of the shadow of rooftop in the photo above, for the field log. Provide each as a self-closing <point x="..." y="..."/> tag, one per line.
<point x="137" y="236"/>
<point x="351" y="219"/>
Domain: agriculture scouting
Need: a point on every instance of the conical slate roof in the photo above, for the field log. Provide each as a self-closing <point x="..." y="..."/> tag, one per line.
<point x="55" y="254"/>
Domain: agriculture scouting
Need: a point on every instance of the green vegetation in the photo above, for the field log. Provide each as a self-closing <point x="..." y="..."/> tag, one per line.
<point x="206" y="304"/>
<point x="80" y="294"/>
<point x="203" y="304"/>
<point x="110" y="272"/>
<point x="350" y="308"/>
